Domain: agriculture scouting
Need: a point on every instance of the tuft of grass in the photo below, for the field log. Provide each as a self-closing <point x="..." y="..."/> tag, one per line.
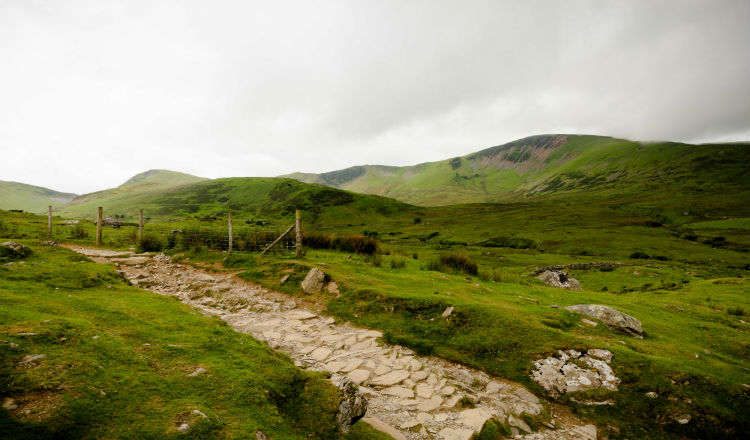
<point x="454" y="262"/>
<point x="398" y="262"/>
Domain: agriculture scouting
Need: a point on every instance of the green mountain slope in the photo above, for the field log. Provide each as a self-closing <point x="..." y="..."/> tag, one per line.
<point x="15" y="195"/>
<point x="251" y="197"/>
<point x="125" y="195"/>
<point x="551" y="164"/>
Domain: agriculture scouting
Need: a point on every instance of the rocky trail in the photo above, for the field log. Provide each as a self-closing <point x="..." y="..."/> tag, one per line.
<point x="408" y="396"/>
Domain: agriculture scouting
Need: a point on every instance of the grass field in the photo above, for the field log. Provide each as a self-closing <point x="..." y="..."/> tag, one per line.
<point x="117" y="361"/>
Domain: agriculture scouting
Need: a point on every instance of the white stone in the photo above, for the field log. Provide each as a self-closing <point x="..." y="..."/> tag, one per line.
<point x="197" y="371"/>
<point x="430" y="405"/>
<point x="358" y="376"/>
<point x="335" y="366"/>
<point x="424" y="391"/>
<point x="423" y="417"/>
<point x="474" y="418"/>
<point x="391" y="378"/>
<point x="419" y="376"/>
<point x="401" y="392"/>
<point x="300" y="315"/>
<point x="319" y="354"/>
<point x="455" y="434"/>
<point x="492" y="387"/>
<point x="381" y="370"/>
<point x="352" y="365"/>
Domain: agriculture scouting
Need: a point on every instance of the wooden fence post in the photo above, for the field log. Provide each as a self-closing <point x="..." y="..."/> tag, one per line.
<point x="298" y="230"/>
<point x="49" y="222"/>
<point x="99" y="226"/>
<point x="230" y="233"/>
<point x="140" y="227"/>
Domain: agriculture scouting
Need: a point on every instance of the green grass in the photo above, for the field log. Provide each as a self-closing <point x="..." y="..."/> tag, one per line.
<point x="118" y="358"/>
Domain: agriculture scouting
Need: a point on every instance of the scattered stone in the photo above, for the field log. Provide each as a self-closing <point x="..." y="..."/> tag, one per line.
<point x="353" y="405"/>
<point x="9" y="404"/>
<point x="335" y="366"/>
<point x="652" y="395"/>
<point x="559" y="279"/>
<point x="455" y="434"/>
<point x="197" y="371"/>
<point x="333" y="288"/>
<point x="384" y="427"/>
<point x="183" y="427"/>
<point x="200" y="413"/>
<point x="589" y="322"/>
<point x="683" y="419"/>
<point x="260" y="435"/>
<point x="492" y="387"/>
<point x="614" y="319"/>
<point x="586" y="432"/>
<point x="518" y="423"/>
<point x="314" y="280"/>
<point x="424" y="391"/>
<point x="447" y="391"/>
<point x="49" y="243"/>
<point x="447" y="312"/>
<point x="29" y="358"/>
<point x="284" y="279"/>
<point x="526" y="395"/>
<point x="474" y="418"/>
<point x="299" y="315"/>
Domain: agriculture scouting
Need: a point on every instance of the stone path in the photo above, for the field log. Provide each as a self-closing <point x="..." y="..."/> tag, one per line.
<point x="409" y="396"/>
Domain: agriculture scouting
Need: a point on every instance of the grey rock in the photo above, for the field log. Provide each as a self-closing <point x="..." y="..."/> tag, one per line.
<point x="614" y="319"/>
<point x="9" y="404"/>
<point x="12" y="250"/>
<point x="518" y="423"/>
<point x="284" y="278"/>
<point x="447" y="312"/>
<point x="333" y="288"/>
<point x="559" y="279"/>
<point x="352" y="406"/>
<point x="314" y="281"/>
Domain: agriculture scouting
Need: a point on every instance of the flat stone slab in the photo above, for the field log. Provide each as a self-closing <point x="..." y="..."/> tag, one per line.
<point x="430" y="405"/>
<point x="359" y="376"/>
<point x="300" y="315"/>
<point x="397" y="391"/>
<point x="391" y="378"/>
<point x="320" y="354"/>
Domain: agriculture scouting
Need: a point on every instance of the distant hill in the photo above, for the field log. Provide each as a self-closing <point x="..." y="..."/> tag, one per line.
<point x="30" y="198"/>
<point x="123" y="197"/>
<point x="539" y="166"/>
<point x="248" y="197"/>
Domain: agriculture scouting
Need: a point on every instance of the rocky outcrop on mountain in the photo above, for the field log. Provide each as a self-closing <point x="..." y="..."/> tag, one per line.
<point x="11" y="251"/>
<point x="353" y="405"/>
<point x="614" y="319"/>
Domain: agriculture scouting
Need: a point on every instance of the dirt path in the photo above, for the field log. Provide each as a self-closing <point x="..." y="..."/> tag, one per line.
<point x="409" y="396"/>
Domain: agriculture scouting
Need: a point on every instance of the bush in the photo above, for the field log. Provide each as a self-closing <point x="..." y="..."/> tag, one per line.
<point x="737" y="311"/>
<point x="417" y="220"/>
<point x="716" y="242"/>
<point x="79" y="232"/>
<point x="354" y="243"/>
<point x="639" y="256"/>
<point x="150" y="243"/>
<point x="511" y="242"/>
<point x="458" y="262"/>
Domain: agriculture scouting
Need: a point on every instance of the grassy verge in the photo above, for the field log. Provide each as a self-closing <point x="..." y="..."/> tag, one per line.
<point x="117" y="363"/>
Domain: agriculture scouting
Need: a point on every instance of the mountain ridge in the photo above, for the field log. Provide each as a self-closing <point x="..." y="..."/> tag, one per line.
<point x="32" y="198"/>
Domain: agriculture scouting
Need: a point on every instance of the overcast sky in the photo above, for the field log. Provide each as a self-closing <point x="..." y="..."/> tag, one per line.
<point x="92" y="92"/>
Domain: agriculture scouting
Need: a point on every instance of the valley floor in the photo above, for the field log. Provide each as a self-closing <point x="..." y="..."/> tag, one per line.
<point x="409" y="396"/>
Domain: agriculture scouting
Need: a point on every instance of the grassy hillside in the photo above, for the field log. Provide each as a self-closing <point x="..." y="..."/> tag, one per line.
<point x="14" y="195"/>
<point x="116" y="363"/>
<point x="152" y="181"/>
<point x="550" y="164"/>
<point x="246" y="197"/>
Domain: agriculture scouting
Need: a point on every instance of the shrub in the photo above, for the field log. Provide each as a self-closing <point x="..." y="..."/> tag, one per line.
<point x="459" y="262"/>
<point x="398" y="262"/>
<point x="415" y="256"/>
<point x="417" y="220"/>
<point x="716" y="242"/>
<point x="639" y="256"/>
<point x="511" y="242"/>
<point x="737" y="311"/>
<point x="79" y="232"/>
<point x="354" y="243"/>
<point x="150" y="243"/>
<point x="377" y="260"/>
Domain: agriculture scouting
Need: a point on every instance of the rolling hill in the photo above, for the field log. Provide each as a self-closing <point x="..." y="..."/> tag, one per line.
<point x="251" y="197"/>
<point x="539" y="166"/>
<point x="15" y="195"/>
<point x="123" y="197"/>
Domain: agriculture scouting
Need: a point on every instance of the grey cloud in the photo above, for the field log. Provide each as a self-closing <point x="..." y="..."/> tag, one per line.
<point x="110" y="88"/>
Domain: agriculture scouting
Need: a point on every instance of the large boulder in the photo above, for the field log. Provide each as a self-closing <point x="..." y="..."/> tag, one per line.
<point x="11" y="251"/>
<point x="555" y="278"/>
<point x="353" y="405"/>
<point x="314" y="281"/>
<point x="614" y="319"/>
